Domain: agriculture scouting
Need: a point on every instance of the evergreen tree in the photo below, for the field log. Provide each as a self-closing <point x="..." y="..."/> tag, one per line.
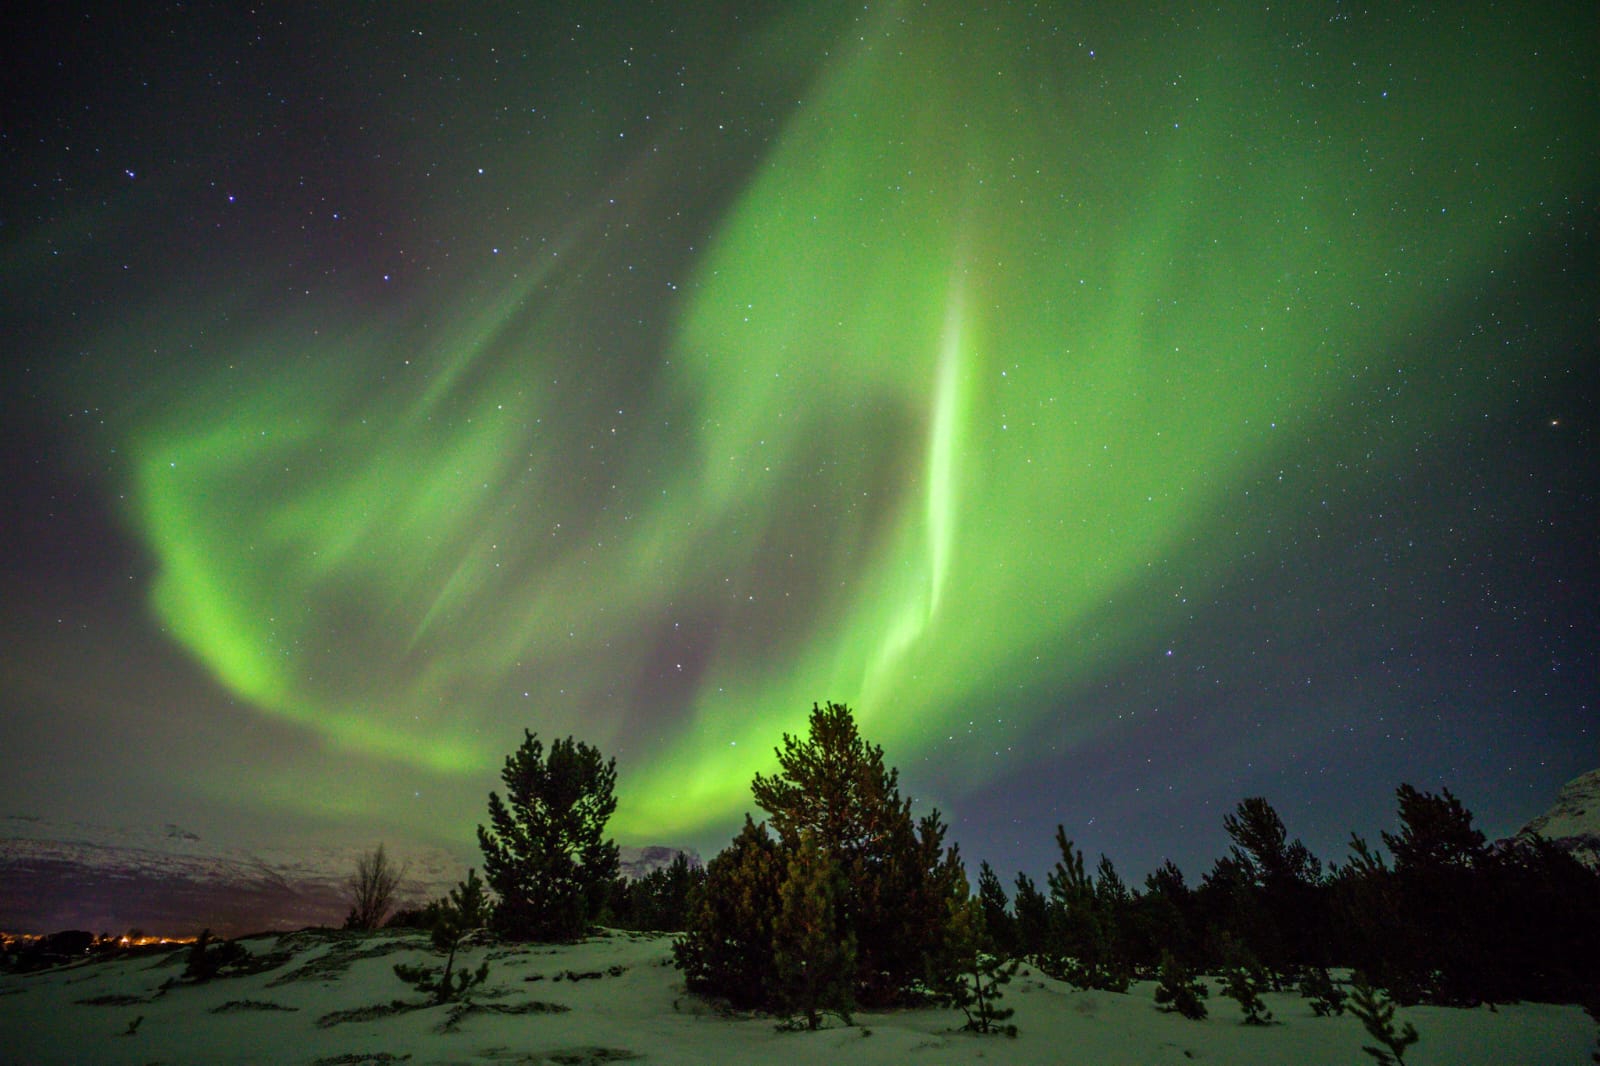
<point x="814" y="951"/>
<point x="1376" y="1012"/>
<point x="464" y="911"/>
<point x="998" y="924"/>
<point x="1442" y="875"/>
<point x="1033" y="923"/>
<point x="1243" y="983"/>
<point x="835" y="784"/>
<point x="1158" y="920"/>
<point x="970" y="977"/>
<point x="1371" y="933"/>
<point x="1084" y="933"/>
<point x="727" y="950"/>
<point x="545" y="853"/>
<point x="1436" y="833"/>
<point x="899" y="872"/>
<point x="1326" y="997"/>
<point x="1276" y="907"/>
<point x="1177" y="989"/>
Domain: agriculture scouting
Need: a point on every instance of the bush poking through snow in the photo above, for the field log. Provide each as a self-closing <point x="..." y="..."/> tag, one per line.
<point x="1376" y="1012"/>
<point x="458" y="915"/>
<point x="1178" y="989"/>
<point x="1244" y="984"/>
<point x="208" y="957"/>
<point x="1325" y="995"/>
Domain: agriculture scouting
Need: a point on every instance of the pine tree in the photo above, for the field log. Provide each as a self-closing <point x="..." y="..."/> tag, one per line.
<point x="1083" y="922"/>
<point x="1276" y="904"/>
<point x="814" y="951"/>
<point x="898" y="871"/>
<point x="727" y="949"/>
<point x="1179" y="990"/>
<point x="1243" y="981"/>
<point x="1326" y="997"/>
<point x="970" y="977"/>
<point x="1376" y="1012"/>
<point x="545" y="854"/>
<point x="1033" y="923"/>
<point x="1158" y="919"/>
<point x="1441" y="874"/>
<point x="1436" y="832"/>
<point x="998" y="925"/>
<point x="457" y="916"/>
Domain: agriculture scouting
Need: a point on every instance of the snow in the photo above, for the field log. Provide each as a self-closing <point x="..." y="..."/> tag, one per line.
<point x="637" y="1009"/>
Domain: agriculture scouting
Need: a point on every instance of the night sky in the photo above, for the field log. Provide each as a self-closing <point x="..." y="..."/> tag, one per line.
<point x="1124" y="408"/>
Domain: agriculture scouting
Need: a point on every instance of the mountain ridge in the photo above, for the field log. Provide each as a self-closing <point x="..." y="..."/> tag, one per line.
<point x="167" y="880"/>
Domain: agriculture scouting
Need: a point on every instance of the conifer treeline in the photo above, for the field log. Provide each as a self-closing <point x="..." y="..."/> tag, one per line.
<point x="1452" y="921"/>
<point x="842" y="898"/>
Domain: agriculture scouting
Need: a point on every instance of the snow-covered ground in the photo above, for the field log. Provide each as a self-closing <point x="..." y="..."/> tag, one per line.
<point x="327" y="998"/>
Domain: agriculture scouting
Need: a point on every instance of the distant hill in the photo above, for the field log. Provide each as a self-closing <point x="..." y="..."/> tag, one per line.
<point x="1574" y="820"/>
<point x="166" y="880"/>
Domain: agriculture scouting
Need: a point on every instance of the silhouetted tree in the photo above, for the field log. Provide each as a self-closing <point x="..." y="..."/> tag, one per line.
<point x="1277" y="903"/>
<point x="1158" y="920"/>
<point x="1441" y="875"/>
<point x="660" y="900"/>
<point x="999" y="926"/>
<point x="813" y="948"/>
<point x="898" y="874"/>
<point x="545" y="853"/>
<point x="1032" y="911"/>
<point x="1436" y="833"/>
<point x="1084" y="934"/>
<point x="1178" y="989"/>
<point x="372" y="889"/>
<point x="727" y="950"/>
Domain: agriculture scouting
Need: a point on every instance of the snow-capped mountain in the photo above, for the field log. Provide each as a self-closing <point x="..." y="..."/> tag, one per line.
<point x="168" y="880"/>
<point x="1574" y="820"/>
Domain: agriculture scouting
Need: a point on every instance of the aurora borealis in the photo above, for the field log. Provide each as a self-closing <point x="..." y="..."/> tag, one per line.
<point x="1124" y="410"/>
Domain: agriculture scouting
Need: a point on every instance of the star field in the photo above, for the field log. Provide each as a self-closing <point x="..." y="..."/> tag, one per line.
<point x="1124" y="412"/>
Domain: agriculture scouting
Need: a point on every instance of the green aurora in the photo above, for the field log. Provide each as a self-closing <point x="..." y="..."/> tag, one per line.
<point x="958" y="398"/>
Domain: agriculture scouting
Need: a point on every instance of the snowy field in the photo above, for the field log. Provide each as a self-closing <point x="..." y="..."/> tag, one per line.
<point x="318" y="997"/>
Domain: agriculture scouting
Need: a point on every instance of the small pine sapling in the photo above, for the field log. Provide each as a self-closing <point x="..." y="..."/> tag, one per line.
<point x="1376" y="1012"/>
<point x="1325" y="995"/>
<point x="990" y="974"/>
<point x="1177" y="989"/>
<point x="463" y="912"/>
<point x="967" y="976"/>
<point x="1244" y="985"/>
